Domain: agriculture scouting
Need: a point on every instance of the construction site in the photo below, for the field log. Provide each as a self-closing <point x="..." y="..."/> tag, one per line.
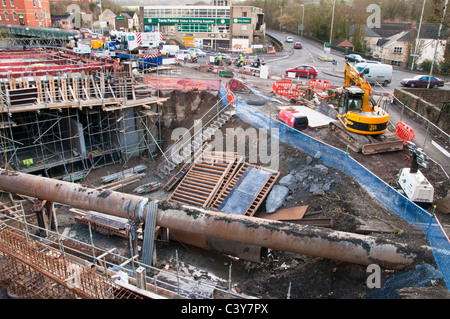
<point x="177" y="182"/>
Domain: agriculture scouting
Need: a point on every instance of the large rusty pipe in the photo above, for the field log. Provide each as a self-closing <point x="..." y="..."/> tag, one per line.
<point x="314" y="241"/>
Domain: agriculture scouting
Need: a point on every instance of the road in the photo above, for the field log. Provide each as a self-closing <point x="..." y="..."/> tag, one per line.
<point x="311" y="53"/>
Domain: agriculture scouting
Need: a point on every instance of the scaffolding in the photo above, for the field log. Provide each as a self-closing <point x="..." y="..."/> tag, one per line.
<point x="76" y="121"/>
<point x="41" y="263"/>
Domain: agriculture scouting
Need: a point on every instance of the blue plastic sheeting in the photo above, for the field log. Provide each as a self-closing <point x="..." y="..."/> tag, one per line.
<point x="341" y="161"/>
<point x="244" y="192"/>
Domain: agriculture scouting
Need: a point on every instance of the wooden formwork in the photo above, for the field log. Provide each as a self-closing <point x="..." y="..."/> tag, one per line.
<point x="204" y="178"/>
<point x="209" y="177"/>
<point x="259" y="198"/>
<point x="182" y="172"/>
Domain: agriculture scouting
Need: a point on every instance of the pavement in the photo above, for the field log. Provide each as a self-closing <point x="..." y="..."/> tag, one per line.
<point x="338" y="74"/>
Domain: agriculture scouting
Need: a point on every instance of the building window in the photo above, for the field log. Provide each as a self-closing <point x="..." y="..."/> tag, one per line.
<point x="396" y="63"/>
<point x="14" y="16"/>
<point x="34" y="3"/>
<point x="398" y="50"/>
<point x="4" y="3"/>
<point x="36" y="15"/>
<point x="11" y="2"/>
<point x="6" y="16"/>
<point x="244" y="14"/>
<point x="195" y="27"/>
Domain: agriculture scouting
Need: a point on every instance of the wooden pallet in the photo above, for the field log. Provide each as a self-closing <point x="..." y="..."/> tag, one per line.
<point x="204" y="178"/>
<point x="259" y="198"/>
<point x="182" y="172"/>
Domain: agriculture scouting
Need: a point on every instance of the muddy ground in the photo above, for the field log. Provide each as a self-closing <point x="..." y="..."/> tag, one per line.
<point x="283" y="274"/>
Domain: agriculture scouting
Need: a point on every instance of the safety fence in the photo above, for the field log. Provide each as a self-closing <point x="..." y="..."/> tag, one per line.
<point x="383" y="192"/>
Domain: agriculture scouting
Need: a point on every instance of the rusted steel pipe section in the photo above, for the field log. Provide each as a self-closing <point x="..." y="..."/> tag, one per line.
<point x="314" y="241"/>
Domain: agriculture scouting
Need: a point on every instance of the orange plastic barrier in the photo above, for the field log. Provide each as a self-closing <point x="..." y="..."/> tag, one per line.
<point x="404" y="132"/>
<point x="230" y="96"/>
<point x="319" y="84"/>
<point x="284" y="88"/>
<point x="288" y="92"/>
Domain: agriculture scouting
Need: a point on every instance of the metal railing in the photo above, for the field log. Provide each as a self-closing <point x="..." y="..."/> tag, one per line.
<point x="56" y="255"/>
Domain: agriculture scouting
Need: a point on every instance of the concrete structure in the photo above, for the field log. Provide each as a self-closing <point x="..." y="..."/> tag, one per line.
<point x="219" y="25"/>
<point x="35" y="13"/>
<point x="89" y="116"/>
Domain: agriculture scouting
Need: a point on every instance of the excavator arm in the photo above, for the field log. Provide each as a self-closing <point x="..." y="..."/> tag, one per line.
<point x="352" y="75"/>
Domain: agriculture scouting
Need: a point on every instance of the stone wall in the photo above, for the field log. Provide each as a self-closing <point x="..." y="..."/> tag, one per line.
<point x="432" y="104"/>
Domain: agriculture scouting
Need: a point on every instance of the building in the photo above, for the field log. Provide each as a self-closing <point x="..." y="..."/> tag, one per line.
<point x="219" y="25"/>
<point x="393" y="43"/>
<point x="30" y="13"/>
<point x="63" y="21"/>
<point x="106" y="20"/>
<point x="76" y="1"/>
<point x="343" y="43"/>
<point x="127" y="21"/>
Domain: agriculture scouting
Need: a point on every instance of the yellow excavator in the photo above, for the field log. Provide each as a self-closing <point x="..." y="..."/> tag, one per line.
<point x="357" y="111"/>
<point x="364" y="122"/>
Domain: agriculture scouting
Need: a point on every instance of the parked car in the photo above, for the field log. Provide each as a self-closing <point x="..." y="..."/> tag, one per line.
<point x="354" y="58"/>
<point x="422" y="81"/>
<point x="375" y="72"/>
<point x="200" y="53"/>
<point x="298" y="45"/>
<point x="307" y="71"/>
<point x="183" y="55"/>
<point x="289" y="40"/>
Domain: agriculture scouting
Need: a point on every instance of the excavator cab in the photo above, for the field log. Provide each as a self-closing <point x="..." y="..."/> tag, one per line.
<point x="351" y="100"/>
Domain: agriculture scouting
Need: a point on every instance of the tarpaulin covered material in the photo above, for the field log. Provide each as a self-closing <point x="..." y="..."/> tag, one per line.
<point x="244" y="192"/>
<point x="160" y="82"/>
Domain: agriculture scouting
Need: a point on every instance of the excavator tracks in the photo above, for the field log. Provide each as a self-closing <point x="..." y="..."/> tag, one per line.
<point x="367" y="144"/>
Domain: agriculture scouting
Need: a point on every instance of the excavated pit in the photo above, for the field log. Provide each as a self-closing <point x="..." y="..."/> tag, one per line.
<point x="346" y="202"/>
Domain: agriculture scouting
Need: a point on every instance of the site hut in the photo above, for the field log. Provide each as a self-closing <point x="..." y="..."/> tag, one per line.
<point x="216" y="26"/>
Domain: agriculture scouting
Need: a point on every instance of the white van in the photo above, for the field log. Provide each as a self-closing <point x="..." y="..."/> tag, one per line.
<point x="375" y="72"/>
<point x="169" y="50"/>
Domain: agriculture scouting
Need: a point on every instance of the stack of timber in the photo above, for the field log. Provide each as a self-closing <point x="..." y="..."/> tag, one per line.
<point x="205" y="177"/>
<point x="223" y="181"/>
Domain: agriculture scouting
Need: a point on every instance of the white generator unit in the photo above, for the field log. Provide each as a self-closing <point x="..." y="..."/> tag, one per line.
<point x="416" y="186"/>
<point x="411" y="180"/>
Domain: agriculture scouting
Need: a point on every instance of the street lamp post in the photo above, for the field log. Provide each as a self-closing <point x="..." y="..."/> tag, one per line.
<point x="332" y="20"/>
<point x="303" y="18"/>
<point x="418" y="35"/>
<point x="281" y="14"/>
<point x="437" y="43"/>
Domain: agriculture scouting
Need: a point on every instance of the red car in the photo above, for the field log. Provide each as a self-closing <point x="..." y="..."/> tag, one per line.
<point x="298" y="45"/>
<point x="422" y="81"/>
<point x="306" y="71"/>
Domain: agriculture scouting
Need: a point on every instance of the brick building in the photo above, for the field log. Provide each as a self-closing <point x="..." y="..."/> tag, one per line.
<point x="30" y="13"/>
